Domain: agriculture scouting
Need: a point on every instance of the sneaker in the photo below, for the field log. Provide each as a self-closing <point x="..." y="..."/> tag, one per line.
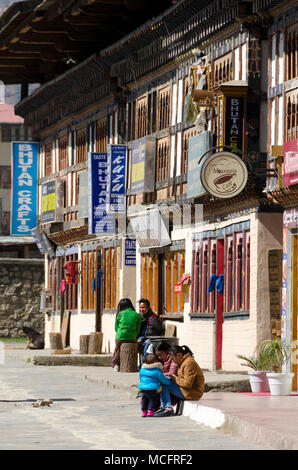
<point x="150" y="413"/>
<point x="165" y="412"/>
<point x="159" y="410"/>
<point x="116" y="368"/>
<point x="144" y="414"/>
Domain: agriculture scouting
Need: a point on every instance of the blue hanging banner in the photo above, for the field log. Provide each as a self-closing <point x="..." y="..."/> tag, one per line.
<point x="117" y="178"/>
<point x="24" y="187"/>
<point x="99" y="221"/>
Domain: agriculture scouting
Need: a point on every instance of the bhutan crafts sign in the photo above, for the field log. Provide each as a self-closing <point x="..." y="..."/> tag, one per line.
<point x="24" y="187"/>
<point x="224" y="175"/>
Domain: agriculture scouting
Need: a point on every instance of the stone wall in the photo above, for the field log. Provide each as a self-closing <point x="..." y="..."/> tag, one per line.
<point x="21" y="282"/>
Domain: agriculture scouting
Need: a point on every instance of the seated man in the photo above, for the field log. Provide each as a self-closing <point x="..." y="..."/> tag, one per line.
<point x="151" y="325"/>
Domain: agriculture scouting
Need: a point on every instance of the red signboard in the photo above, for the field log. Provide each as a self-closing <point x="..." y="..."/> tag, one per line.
<point x="291" y="162"/>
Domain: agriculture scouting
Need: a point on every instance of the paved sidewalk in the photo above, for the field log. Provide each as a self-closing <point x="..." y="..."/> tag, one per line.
<point x="263" y="420"/>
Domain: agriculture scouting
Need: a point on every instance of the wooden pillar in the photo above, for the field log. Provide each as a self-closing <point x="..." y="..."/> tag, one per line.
<point x="175" y="280"/>
<point x="169" y="288"/>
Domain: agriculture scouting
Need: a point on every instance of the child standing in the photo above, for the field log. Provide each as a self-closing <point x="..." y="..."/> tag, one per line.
<point x="151" y="379"/>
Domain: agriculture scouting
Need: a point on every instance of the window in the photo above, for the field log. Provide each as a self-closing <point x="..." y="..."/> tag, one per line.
<point x="236" y="272"/>
<point x="164" y="108"/>
<point x="141" y="117"/>
<point x="48" y="159"/>
<point x="89" y="265"/>
<point x="291" y="116"/>
<point x="292" y="50"/>
<point x="81" y="141"/>
<point x="63" y="153"/>
<point x="101" y="135"/>
<point x="150" y="279"/>
<point x="160" y="273"/>
<point x="186" y="135"/>
<point x="162" y="160"/>
<point x="15" y="132"/>
<point x="174" y="268"/>
<point x="111" y="271"/>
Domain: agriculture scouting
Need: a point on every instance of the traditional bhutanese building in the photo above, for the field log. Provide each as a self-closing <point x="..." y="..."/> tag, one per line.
<point x="77" y="110"/>
<point x="178" y="90"/>
<point x="197" y="80"/>
<point x="282" y="150"/>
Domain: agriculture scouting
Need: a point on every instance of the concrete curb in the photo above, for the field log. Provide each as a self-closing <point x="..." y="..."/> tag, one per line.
<point x="257" y="434"/>
<point x="82" y="360"/>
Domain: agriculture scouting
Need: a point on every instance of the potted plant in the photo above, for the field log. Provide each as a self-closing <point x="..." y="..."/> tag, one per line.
<point x="277" y="353"/>
<point x="257" y="376"/>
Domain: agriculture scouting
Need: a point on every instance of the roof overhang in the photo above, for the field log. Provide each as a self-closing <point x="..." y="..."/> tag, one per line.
<point x="41" y="39"/>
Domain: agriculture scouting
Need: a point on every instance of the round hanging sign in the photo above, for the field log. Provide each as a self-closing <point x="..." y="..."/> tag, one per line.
<point x="224" y="175"/>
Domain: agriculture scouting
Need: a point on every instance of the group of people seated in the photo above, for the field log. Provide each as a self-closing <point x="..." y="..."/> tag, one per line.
<point x="168" y="373"/>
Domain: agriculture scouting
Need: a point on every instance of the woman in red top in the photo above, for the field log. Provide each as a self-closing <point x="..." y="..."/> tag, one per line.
<point x="161" y="352"/>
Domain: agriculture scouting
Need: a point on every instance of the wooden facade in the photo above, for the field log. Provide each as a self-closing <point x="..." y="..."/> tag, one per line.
<point x="145" y="85"/>
<point x="283" y="137"/>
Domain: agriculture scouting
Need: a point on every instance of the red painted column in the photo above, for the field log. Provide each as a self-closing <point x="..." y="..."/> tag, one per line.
<point x="219" y="305"/>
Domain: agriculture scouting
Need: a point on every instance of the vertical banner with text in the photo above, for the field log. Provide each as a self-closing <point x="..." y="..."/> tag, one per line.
<point x="99" y="220"/>
<point x="24" y="187"/>
<point x="117" y="178"/>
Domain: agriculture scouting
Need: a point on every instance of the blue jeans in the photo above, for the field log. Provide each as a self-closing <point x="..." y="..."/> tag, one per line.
<point x="145" y="345"/>
<point x="165" y="399"/>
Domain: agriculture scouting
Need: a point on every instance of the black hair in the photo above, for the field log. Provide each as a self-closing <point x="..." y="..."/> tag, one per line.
<point x="29" y="332"/>
<point x="150" y="359"/>
<point x="162" y="346"/>
<point x="124" y="304"/>
<point x="180" y="349"/>
<point x="145" y="301"/>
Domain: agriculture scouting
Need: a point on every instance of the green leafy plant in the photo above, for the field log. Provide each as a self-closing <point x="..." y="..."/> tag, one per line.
<point x="255" y="362"/>
<point x="276" y="353"/>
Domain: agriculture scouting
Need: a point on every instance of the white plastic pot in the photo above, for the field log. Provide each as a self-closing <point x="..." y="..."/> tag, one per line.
<point x="280" y="383"/>
<point x="258" y="381"/>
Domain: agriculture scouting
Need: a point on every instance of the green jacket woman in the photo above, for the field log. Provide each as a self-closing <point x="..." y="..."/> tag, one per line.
<point x="127" y="327"/>
<point x="127" y="324"/>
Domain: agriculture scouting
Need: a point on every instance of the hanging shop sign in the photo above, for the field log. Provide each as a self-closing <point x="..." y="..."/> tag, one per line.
<point x="224" y="175"/>
<point x="197" y="146"/>
<point x="44" y="244"/>
<point x="36" y="234"/>
<point x="234" y="121"/>
<point x="291" y="162"/>
<point x="117" y="179"/>
<point x="130" y="252"/>
<point x="143" y="165"/>
<point x="99" y="221"/>
<point x="24" y="187"/>
<point x="231" y="116"/>
<point x="290" y="218"/>
<point x="52" y="201"/>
